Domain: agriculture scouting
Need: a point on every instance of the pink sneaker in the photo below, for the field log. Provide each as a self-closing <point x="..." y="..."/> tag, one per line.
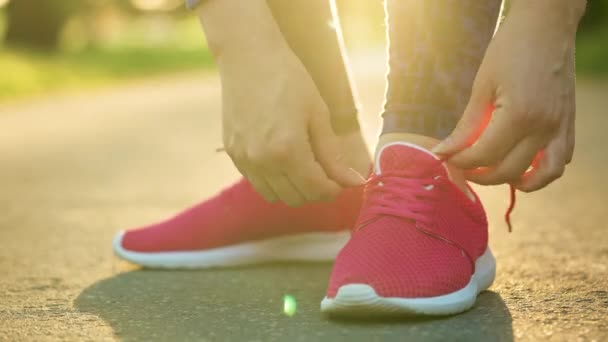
<point x="420" y="245"/>
<point x="238" y="227"/>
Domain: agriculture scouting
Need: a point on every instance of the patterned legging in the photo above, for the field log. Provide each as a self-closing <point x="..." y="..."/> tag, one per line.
<point x="435" y="49"/>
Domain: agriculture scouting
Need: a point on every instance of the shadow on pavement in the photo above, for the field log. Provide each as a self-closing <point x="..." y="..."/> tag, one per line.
<point x="246" y="304"/>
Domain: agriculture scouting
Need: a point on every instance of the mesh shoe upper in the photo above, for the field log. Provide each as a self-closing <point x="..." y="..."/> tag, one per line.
<point x="418" y="234"/>
<point x="239" y="214"/>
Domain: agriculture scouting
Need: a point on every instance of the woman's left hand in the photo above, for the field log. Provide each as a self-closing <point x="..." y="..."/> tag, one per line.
<point x="518" y="127"/>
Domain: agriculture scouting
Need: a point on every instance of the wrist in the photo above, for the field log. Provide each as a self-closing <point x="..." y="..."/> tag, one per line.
<point x="242" y="32"/>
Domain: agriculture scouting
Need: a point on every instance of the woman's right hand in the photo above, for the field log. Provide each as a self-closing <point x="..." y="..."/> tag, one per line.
<point x="277" y="129"/>
<point x="276" y="125"/>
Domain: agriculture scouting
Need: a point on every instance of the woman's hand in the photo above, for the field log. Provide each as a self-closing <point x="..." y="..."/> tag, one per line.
<point x="277" y="131"/>
<point x="522" y="108"/>
<point x="276" y="126"/>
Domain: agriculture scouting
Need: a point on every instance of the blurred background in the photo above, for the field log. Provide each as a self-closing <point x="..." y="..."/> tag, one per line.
<point x="110" y="119"/>
<point x="72" y="44"/>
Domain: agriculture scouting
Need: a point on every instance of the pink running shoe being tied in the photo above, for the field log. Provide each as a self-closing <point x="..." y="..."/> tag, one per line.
<point x="239" y="227"/>
<point x="420" y="245"/>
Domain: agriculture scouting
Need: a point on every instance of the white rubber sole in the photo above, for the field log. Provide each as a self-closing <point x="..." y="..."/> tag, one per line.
<point x="361" y="299"/>
<point x="309" y="247"/>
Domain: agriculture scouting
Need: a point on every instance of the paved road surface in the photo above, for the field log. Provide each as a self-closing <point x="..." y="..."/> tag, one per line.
<point x="76" y="169"/>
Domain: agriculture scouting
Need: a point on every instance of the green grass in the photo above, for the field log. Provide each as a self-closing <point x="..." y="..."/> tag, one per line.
<point x="131" y="55"/>
<point x="26" y="73"/>
<point x="592" y="53"/>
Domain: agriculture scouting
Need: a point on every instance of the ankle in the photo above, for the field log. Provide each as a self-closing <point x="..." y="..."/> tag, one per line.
<point x="456" y="174"/>
<point x="419" y="140"/>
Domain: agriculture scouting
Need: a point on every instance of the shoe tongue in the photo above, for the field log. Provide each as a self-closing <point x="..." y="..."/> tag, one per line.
<point x="408" y="158"/>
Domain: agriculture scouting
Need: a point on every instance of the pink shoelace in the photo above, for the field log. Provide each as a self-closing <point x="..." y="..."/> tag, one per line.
<point x="402" y="195"/>
<point x="399" y="194"/>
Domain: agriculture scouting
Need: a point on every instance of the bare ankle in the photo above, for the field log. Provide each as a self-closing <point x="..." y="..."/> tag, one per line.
<point x="456" y="174"/>
<point x="419" y="140"/>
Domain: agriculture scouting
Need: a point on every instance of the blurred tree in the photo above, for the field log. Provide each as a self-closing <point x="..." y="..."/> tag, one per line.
<point x="596" y="16"/>
<point x="38" y="23"/>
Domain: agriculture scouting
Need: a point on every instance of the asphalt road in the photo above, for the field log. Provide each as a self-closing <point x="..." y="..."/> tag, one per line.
<point x="74" y="169"/>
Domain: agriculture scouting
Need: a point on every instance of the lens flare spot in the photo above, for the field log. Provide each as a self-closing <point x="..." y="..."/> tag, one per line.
<point x="289" y="305"/>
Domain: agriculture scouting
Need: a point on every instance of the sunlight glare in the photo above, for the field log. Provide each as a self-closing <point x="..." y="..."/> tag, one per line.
<point x="289" y="305"/>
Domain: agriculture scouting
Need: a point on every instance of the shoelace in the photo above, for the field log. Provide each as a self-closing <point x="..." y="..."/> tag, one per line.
<point x="409" y="197"/>
<point x="511" y="207"/>
<point x="399" y="194"/>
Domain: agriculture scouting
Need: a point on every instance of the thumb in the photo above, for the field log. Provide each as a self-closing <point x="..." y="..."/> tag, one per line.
<point x="470" y="126"/>
<point x="329" y="153"/>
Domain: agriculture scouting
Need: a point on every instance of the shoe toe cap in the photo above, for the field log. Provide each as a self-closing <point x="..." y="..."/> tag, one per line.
<point x="402" y="269"/>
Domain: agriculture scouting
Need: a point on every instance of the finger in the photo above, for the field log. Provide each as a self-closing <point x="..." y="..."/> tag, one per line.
<point x="256" y="181"/>
<point x="499" y="137"/>
<point x="471" y="124"/>
<point x="285" y="190"/>
<point x="511" y="169"/>
<point x="306" y="174"/>
<point x="326" y="149"/>
<point x="550" y="166"/>
<point x="571" y="137"/>
<point x="312" y="182"/>
<point x="261" y="186"/>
